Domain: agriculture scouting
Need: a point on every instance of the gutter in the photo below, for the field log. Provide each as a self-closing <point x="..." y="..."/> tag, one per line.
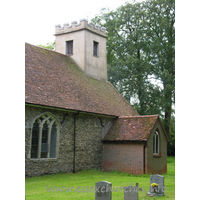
<point x="123" y="141"/>
<point x="101" y="122"/>
<point x="69" y="110"/>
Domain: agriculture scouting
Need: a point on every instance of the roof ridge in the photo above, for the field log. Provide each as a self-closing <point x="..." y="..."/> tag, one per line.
<point x="141" y="116"/>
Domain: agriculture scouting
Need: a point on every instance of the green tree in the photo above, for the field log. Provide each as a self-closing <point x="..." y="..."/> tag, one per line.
<point x="160" y="30"/>
<point x="140" y="49"/>
<point x="128" y="69"/>
<point x="171" y="145"/>
<point x="50" y="45"/>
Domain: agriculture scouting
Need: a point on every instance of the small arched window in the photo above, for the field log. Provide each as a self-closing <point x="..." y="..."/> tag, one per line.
<point x="44" y="137"/>
<point x="156" y="143"/>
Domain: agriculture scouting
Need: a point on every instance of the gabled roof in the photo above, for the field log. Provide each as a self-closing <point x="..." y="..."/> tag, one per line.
<point x="54" y="79"/>
<point x="132" y="128"/>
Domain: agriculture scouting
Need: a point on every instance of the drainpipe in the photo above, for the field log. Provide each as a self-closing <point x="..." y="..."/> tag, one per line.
<point x="74" y="142"/>
<point x="101" y="122"/>
<point x="144" y="158"/>
<point x="65" y="115"/>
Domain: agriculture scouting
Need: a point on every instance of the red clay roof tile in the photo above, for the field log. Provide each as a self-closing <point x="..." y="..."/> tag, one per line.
<point x="131" y="128"/>
<point x="53" y="79"/>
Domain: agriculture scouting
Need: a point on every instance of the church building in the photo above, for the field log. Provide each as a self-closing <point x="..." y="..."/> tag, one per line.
<point x="75" y="119"/>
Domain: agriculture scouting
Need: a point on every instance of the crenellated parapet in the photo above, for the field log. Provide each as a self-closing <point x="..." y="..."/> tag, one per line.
<point x="83" y="24"/>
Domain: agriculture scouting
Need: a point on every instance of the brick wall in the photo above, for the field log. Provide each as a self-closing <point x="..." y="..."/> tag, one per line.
<point x="123" y="157"/>
<point x="89" y="132"/>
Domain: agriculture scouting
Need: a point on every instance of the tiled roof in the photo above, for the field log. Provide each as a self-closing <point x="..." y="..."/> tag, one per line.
<point x="131" y="128"/>
<point x="53" y="79"/>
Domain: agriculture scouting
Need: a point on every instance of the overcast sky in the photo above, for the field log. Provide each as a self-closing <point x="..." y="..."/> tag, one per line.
<point x="41" y="16"/>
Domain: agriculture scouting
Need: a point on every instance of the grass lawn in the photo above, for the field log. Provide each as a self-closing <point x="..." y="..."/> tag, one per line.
<point x="83" y="183"/>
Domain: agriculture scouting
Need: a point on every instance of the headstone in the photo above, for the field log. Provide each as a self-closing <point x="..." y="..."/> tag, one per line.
<point x="160" y="189"/>
<point x="131" y="192"/>
<point x="103" y="190"/>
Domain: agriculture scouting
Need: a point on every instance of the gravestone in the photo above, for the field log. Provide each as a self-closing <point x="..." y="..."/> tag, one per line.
<point x="103" y="190"/>
<point x="131" y="192"/>
<point x="160" y="181"/>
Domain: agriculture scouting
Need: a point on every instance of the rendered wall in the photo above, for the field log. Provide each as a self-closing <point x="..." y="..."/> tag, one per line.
<point x="157" y="164"/>
<point x="78" y="46"/>
<point x="83" y="36"/>
<point x="95" y="66"/>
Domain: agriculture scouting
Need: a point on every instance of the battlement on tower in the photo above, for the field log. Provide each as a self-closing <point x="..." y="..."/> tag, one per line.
<point x="83" y="24"/>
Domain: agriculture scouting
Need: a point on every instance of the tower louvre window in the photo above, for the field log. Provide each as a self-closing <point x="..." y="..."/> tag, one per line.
<point x="96" y="49"/>
<point x="69" y="47"/>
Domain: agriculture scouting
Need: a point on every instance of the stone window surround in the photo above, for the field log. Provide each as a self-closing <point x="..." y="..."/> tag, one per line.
<point x="57" y="122"/>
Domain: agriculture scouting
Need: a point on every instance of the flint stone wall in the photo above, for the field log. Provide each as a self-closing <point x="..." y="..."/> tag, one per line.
<point x="89" y="149"/>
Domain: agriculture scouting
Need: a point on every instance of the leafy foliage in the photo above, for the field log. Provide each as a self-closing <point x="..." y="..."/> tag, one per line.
<point x="171" y="145"/>
<point x="141" y="54"/>
<point x="50" y="45"/>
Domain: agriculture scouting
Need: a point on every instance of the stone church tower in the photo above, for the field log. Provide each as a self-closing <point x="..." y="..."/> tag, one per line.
<point x="86" y="44"/>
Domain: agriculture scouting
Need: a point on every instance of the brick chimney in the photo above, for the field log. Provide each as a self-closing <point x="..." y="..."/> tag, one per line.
<point x="86" y="44"/>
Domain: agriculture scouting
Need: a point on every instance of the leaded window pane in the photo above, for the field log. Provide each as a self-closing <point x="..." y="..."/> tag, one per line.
<point x="156" y="143"/>
<point x="35" y="138"/>
<point x="44" y="145"/>
<point x="44" y="133"/>
<point x="53" y="141"/>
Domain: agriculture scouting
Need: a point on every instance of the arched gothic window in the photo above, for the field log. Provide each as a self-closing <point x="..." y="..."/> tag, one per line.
<point x="156" y="143"/>
<point x="44" y="137"/>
